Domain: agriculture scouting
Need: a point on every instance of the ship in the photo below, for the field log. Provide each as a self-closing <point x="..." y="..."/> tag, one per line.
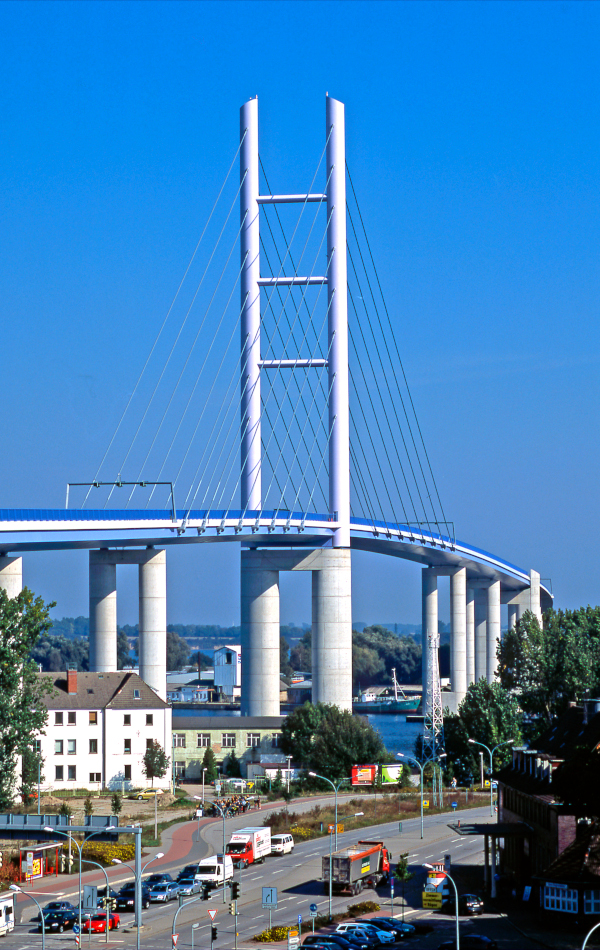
<point x="399" y="704"/>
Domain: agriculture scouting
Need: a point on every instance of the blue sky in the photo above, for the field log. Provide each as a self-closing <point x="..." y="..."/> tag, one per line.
<point x="472" y="136"/>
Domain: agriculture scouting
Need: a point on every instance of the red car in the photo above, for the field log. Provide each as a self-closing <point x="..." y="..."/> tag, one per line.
<point x="97" y="923"/>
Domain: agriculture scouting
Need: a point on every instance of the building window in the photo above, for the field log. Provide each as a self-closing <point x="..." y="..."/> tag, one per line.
<point x="72" y="718"/>
<point x="72" y="773"/>
<point x="179" y="740"/>
<point x="228" y="658"/>
<point x="127" y="719"/>
<point x="228" y="740"/>
<point x="37" y="746"/>
<point x="127" y="772"/>
<point x="93" y="719"/>
<point x="136" y="694"/>
<point x="58" y="747"/>
<point x="203" y="740"/>
<point x="93" y="747"/>
<point x="58" y="719"/>
<point x="58" y="773"/>
<point x="149" y="719"/>
<point x="179" y="769"/>
<point x="252" y="739"/>
<point x="591" y="902"/>
<point x="149" y="744"/>
<point x="560" y="897"/>
<point x="72" y="747"/>
<point x="127" y="746"/>
<point x="275" y="741"/>
<point x="96" y="777"/>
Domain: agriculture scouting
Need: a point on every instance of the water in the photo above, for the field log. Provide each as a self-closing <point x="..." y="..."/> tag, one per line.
<point x="397" y="734"/>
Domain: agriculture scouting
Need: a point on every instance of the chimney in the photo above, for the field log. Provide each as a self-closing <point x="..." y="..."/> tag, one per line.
<point x="71" y="680"/>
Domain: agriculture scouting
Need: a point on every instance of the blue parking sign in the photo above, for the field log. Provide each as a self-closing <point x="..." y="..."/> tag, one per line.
<point x="299" y="920"/>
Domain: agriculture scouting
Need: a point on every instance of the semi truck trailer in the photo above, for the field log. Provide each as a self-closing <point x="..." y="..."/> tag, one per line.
<point x="363" y="865"/>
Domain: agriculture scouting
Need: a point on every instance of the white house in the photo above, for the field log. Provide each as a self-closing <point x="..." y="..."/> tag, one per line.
<point x="99" y="728"/>
<point x="186" y="693"/>
<point x="228" y="670"/>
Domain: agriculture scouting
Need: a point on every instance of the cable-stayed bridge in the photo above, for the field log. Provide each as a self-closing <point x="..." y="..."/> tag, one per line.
<point x="273" y="411"/>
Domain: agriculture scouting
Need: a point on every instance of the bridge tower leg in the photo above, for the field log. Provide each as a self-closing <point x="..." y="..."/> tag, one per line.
<point x="11" y="575"/>
<point x="513" y="616"/>
<point x="458" y="611"/>
<point x="493" y="631"/>
<point x="260" y="634"/>
<point x="429" y="626"/>
<point x="480" y="633"/>
<point x="470" y="636"/>
<point x="152" y="580"/>
<point x="103" y="612"/>
<point x="332" y="629"/>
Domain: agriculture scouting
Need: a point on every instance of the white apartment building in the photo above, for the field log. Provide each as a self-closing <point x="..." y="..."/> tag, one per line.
<point x="228" y="670"/>
<point x="99" y="728"/>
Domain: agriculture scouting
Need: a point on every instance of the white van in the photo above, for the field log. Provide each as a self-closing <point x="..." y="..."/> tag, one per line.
<point x="282" y="844"/>
<point x="213" y="871"/>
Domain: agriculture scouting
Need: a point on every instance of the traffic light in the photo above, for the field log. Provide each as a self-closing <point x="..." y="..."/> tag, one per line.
<point x="233" y="908"/>
<point x="205" y="890"/>
<point x="235" y="890"/>
<point x="213" y="933"/>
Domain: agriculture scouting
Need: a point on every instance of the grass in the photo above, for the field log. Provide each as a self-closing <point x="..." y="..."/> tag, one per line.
<point x="148" y="839"/>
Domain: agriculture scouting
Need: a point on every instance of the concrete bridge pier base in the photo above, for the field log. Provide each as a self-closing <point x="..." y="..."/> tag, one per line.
<point x="11" y="575"/>
<point x="470" y="636"/>
<point x="458" y="647"/>
<point x="332" y="629"/>
<point x="513" y="616"/>
<point x="480" y="633"/>
<point x="430" y="625"/>
<point x="103" y="612"/>
<point x="494" y="629"/>
<point x="260" y="636"/>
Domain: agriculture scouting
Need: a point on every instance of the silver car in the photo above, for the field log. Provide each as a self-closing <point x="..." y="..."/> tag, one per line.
<point x="164" y="892"/>
<point x="189" y="886"/>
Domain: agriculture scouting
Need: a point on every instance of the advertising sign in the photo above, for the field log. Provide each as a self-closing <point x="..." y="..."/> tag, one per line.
<point x="364" y="774"/>
<point x="391" y="774"/>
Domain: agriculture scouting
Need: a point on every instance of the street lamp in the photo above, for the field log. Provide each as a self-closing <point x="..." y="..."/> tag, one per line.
<point x="335" y="788"/>
<point x="18" y="890"/>
<point x="203" y="771"/>
<point x="491" y="753"/>
<point x="87" y="861"/>
<point x="421" y="767"/>
<point x="138" y="921"/>
<point x="588" y="935"/>
<point x="451" y="879"/>
<point x="65" y="834"/>
<point x="216" y="805"/>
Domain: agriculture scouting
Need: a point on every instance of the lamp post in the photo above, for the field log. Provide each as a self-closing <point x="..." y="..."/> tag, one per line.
<point x="588" y="935"/>
<point x="65" y="834"/>
<point x="335" y="788"/>
<point x="216" y="805"/>
<point x="87" y="861"/>
<point x="491" y="754"/>
<point x="203" y="771"/>
<point x="421" y="767"/>
<point x="451" y="879"/>
<point x="138" y="922"/>
<point x="18" y="890"/>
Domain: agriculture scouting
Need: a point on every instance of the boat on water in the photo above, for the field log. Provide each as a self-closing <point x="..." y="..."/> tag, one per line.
<point x="399" y="703"/>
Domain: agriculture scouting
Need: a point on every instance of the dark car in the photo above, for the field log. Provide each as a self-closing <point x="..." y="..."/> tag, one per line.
<point x="190" y="870"/>
<point x="155" y="879"/>
<point x="337" y="940"/>
<point x="393" y="926"/>
<point x="56" y="907"/>
<point x="126" y="897"/>
<point x="57" y="921"/>
<point x="112" y="897"/>
<point x="470" y="942"/>
<point x="468" y="904"/>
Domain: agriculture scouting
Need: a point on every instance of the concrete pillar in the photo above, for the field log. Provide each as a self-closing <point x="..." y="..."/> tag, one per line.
<point x="260" y="636"/>
<point x="430" y="623"/>
<point x="513" y="611"/>
<point x="470" y="636"/>
<point x="480" y="633"/>
<point x="153" y="621"/>
<point x="332" y="629"/>
<point x="11" y="575"/>
<point x="458" y="647"/>
<point x="494" y="629"/>
<point x="103" y="612"/>
<point x="534" y="594"/>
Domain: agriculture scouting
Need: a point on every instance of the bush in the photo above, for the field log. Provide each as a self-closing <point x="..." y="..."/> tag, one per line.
<point x="274" y="935"/>
<point x="104" y="851"/>
<point x="302" y="833"/>
<point x="365" y="907"/>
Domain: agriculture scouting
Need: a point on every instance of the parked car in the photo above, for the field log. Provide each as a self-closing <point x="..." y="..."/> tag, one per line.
<point x="158" y="879"/>
<point x="56" y="907"/>
<point x="57" y="921"/>
<point x="188" y="886"/>
<point x="370" y="934"/>
<point x="342" y="941"/>
<point x="126" y="897"/>
<point x="282" y="844"/>
<point x="97" y="923"/>
<point x="470" y="942"/>
<point x="470" y="904"/>
<point x="164" y="892"/>
<point x="188" y="871"/>
<point x="149" y="795"/>
<point x="393" y="926"/>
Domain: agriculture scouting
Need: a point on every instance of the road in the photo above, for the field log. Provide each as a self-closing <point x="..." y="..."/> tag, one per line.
<point x="296" y="877"/>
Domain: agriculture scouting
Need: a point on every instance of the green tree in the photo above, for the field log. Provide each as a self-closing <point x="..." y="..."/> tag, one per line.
<point x="29" y="772"/>
<point x="298" y="732"/>
<point x="209" y="762"/>
<point x="202" y="660"/>
<point x="23" y="712"/>
<point x="155" y="762"/>
<point x="402" y="874"/>
<point x="88" y="807"/>
<point x="285" y="667"/>
<point x="116" y="803"/>
<point x="301" y="654"/>
<point x="177" y="651"/>
<point x="548" y="667"/>
<point x="329" y="740"/>
<point x="123" y="658"/>
<point x="487" y="714"/>
<point x="233" y="765"/>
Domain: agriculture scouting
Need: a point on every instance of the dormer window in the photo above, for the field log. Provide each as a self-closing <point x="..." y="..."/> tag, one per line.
<point x="136" y="694"/>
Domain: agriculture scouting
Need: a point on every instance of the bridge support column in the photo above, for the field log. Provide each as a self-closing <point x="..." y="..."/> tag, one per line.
<point x="103" y="612"/>
<point x="534" y="594"/>
<point x="493" y="629"/>
<point x="260" y="635"/>
<point x="11" y="575"/>
<point x="470" y="636"/>
<point x="332" y="629"/>
<point x="153" y="621"/>
<point x="480" y="633"/>
<point x="513" y="616"/>
<point x="458" y="615"/>
<point x="429" y="623"/>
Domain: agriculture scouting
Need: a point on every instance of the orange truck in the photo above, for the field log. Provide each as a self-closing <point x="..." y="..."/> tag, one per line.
<point x="364" y="865"/>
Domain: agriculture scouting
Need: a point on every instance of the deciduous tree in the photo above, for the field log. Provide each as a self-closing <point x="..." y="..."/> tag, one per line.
<point x="155" y="762"/>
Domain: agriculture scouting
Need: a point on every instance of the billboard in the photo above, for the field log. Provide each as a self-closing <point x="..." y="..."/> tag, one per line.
<point x="364" y="774"/>
<point x="391" y="774"/>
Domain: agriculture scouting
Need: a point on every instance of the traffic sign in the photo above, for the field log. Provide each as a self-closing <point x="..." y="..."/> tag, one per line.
<point x="174" y="938"/>
<point x="313" y="910"/>
<point x="269" y="897"/>
<point x="212" y="913"/>
<point x="299" y="921"/>
<point x="432" y="901"/>
<point x="425" y="803"/>
<point x="77" y="939"/>
<point x="75" y="929"/>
